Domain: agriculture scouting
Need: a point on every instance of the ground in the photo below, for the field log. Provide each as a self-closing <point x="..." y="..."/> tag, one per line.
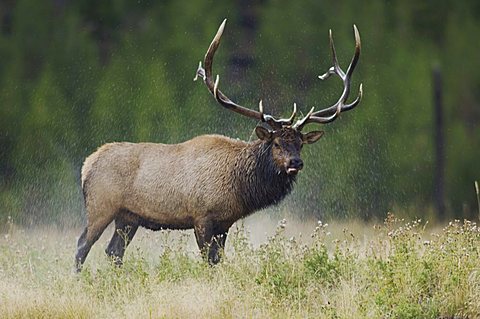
<point x="396" y="269"/>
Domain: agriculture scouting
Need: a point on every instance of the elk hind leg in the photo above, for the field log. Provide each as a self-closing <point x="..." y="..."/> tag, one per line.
<point x="88" y="237"/>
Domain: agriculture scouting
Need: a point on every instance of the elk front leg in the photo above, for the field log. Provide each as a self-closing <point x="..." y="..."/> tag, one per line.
<point x="122" y="236"/>
<point x="216" y="248"/>
<point x="203" y="235"/>
<point x="210" y="240"/>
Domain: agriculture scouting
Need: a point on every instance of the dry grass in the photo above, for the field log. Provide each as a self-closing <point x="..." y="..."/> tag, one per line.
<point x="395" y="270"/>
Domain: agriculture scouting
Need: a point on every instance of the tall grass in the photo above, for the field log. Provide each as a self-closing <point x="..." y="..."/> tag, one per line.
<point x="393" y="270"/>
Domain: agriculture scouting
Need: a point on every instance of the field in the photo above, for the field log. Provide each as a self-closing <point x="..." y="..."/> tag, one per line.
<point x="396" y="269"/>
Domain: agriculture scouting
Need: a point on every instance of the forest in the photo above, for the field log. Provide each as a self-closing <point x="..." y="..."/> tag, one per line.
<point x="77" y="74"/>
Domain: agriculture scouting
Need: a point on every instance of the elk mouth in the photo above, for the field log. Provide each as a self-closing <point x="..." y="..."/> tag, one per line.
<point x="292" y="170"/>
<point x="293" y="166"/>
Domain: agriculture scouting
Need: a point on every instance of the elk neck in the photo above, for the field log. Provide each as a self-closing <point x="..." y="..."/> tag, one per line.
<point x="261" y="183"/>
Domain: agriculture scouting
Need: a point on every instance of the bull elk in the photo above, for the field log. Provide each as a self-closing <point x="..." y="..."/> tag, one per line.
<point x="206" y="183"/>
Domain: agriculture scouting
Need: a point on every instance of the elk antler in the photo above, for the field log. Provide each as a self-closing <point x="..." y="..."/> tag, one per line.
<point x="325" y="115"/>
<point x="206" y="75"/>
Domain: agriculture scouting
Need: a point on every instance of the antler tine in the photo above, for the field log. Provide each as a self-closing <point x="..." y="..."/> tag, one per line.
<point x="336" y="66"/>
<point x="301" y="122"/>
<point x="339" y="106"/>
<point x="260" y="107"/>
<point x="356" y="56"/>
<point x="350" y="106"/>
<point x="294" y="113"/>
<point x="206" y="75"/>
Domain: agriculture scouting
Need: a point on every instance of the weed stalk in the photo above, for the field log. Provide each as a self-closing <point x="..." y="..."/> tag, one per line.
<point x="478" y="198"/>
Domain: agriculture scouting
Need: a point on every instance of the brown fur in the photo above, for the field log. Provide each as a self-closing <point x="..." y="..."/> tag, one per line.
<point x="206" y="183"/>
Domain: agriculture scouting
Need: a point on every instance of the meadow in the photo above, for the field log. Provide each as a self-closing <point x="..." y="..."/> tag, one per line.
<point x="394" y="269"/>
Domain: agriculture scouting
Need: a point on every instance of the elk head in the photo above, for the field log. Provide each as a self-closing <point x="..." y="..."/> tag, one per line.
<point x="283" y="136"/>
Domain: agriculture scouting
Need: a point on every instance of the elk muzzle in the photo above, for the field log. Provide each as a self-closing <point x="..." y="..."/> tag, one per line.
<point x="294" y="165"/>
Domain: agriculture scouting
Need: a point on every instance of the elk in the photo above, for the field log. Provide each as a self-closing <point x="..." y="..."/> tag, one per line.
<point x="206" y="183"/>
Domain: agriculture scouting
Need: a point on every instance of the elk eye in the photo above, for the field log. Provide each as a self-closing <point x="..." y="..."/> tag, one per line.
<point x="275" y="144"/>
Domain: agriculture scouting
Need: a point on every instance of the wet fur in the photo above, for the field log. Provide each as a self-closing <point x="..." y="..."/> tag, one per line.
<point x="206" y="183"/>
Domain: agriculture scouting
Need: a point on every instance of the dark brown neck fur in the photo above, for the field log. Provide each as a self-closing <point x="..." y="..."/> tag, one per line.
<point x="260" y="182"/>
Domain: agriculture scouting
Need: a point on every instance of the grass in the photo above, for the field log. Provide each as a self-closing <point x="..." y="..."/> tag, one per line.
<point x="393" y="270"/>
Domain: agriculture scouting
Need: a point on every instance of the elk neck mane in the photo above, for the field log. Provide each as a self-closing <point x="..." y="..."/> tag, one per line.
<point x="260" y="182"/>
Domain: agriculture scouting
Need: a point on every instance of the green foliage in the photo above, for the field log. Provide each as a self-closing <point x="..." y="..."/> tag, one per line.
<point x="318" y="262"/>
<point x="279" y="272"/>
<point x="75" y="75"/>
<point x="176" y="264"/>
<point x="400" y="270"/>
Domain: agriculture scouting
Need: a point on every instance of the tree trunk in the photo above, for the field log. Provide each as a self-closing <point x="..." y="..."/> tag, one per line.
<point x="439" y="138"/>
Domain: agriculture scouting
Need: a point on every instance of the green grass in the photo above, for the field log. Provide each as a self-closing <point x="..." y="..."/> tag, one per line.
<point x="393" y="270"/>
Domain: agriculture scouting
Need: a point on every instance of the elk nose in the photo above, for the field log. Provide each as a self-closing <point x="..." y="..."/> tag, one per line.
<point x="294" y="165"/>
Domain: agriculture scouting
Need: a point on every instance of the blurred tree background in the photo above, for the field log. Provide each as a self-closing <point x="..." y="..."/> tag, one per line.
<point x="77" y="74"/>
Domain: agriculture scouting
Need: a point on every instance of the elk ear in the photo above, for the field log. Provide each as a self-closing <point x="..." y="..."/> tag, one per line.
<point x="312" y="137"/>
<point x="263" y="133"/>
